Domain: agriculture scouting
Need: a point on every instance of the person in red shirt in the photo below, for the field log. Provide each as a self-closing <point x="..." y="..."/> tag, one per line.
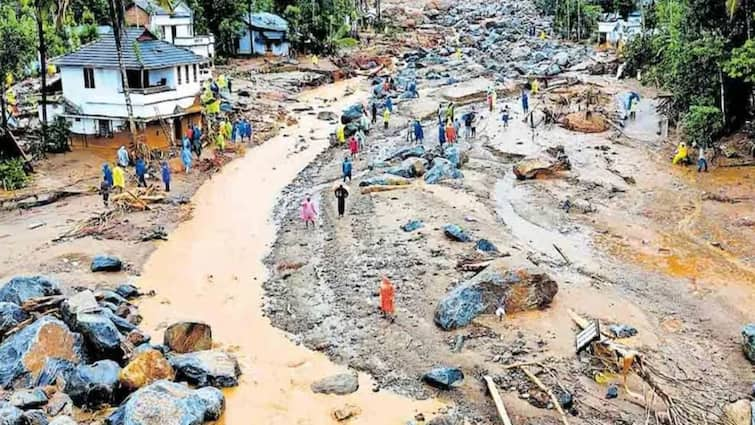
<point x="387" y="293"/>
<point x="353" y="147"/>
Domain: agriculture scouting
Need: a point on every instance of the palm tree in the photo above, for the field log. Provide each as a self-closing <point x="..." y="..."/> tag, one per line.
<point x="42" y="8"/>
<point x="117" y="12"/>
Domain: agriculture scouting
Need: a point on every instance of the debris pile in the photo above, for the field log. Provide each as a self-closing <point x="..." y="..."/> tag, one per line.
<point x="85" y="349"/>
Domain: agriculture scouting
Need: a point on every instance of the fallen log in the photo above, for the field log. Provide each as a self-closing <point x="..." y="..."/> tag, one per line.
<point x="504" y="415"/>
<point x="547" y="390"/>
<point x="374" y="189"/>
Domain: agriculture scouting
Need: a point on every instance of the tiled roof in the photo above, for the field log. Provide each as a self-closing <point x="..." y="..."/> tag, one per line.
<point x="154" y="8"/>
<point x="266" y="21"/>
<point x="152" y="53"/>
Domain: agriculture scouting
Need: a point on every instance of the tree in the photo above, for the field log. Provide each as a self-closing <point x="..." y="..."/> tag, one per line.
<point x="16" y="39"/>
<point x="702" y="124"/>
<point x="742" y="62"/>
<point x="117" y="12"/>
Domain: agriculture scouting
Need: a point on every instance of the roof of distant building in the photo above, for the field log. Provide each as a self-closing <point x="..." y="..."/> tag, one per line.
<point x="152" y="53"/>
<point x="266" y="21"/>
<point x="154" y="8"/>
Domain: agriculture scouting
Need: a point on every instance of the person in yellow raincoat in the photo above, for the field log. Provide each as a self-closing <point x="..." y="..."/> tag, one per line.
<point x="681" y="154"/>
<point x="458" y="53"/>
<point x="119" y="178"/>
<point x="222" y="82"/>
<point x="535" y="86"/>
<point x="220" y="141"/>
<point x="543" y="36"/>
<point x="227" y="130"/>
<point x="386" y="118"/>
<point x="315" y="60"/>
<point x="341" y="133"/>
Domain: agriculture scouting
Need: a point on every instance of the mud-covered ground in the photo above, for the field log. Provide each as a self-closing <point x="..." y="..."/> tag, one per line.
<point x="657" y="247"/>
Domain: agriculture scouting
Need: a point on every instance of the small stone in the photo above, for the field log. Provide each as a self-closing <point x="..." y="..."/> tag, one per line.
<point x="28" y="399"/>
<point x="346" y="412"/>
<point x="206" y="368"/>
<point x="145" y="368"/>
<point x="106" y="263"/>
<point x="341" y="384"/>
<point x="187" y="337"/>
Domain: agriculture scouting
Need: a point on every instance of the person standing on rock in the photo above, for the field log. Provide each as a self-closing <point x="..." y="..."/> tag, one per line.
<point x="387" y="294"/>
<point x="307" y="212"/>
<point x="341" y="195"/>
<point x="346" y="169"/>
<point x="166" y="176"/>
<point x="419" y="133"/>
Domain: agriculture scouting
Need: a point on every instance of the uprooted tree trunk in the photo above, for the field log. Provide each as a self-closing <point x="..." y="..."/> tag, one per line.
<point x="116" y="16"/>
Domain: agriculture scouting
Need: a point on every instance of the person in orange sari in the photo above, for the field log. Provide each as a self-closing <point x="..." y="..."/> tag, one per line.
<point x="450" y="132"/>
<point x="387" y="293"/>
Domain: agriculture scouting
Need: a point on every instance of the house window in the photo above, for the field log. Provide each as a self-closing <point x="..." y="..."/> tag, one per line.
<point x="195" y="72"/>
<point x="178" y="70"/>
<point x="88" y="78"/>
<point x="103" y="128"/>
<point x="186" y="73"/>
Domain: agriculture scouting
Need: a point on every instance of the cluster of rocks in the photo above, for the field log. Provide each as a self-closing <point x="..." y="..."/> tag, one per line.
<point x="433" y="165"/>
<point x="86" y="350"/>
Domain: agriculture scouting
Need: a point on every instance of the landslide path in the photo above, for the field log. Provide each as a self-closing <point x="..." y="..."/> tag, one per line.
<point x="211" y="270"/>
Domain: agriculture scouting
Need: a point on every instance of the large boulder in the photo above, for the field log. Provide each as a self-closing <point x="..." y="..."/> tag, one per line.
<point x="169" y="403"/>
<point x="456" y="155"/>
<point x="206" y="368"/>
<point x="59" y="403"/>
<point x="410" y="167"/>
<point x="341" y="384"/>
<point x="145" y="368"/>
<point x="55" y="372"/>
<point x="186" y="337"/>
<point x="23" y="355"/>
<point x="62" y="420"/>
<point x="443" y="377"/>
<point x="21" y="288"/>
<point x="748" y="341"/>
<point x="506" y="282"/>
<point x="127" y="291"/>
<point x="10" y="316"/>
<point x="95" y="385"/>
<point x="417" y="151"/>
<point x="10" y="415"/>
<point x="28" y="399"/>
<point x="531" y="168"/>
<point x="82" y="313"/>
<point x="562" y="59"/>
<point x="741" y="412"/>
<point x="442" y="169"/>
<point x="106" y="263"/>
<point x="385" y="180"/>
<point x="36" y="417"/>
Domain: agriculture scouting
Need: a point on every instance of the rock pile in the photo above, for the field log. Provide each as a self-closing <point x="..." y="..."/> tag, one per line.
<point x="85" y="349"/>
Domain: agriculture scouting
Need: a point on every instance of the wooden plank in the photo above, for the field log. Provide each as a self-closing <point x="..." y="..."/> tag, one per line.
<point x="542" y="386"/>
<point x="497" y="400"/>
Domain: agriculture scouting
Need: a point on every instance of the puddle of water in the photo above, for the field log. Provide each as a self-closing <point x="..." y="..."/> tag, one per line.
<point x="211" y="270"/>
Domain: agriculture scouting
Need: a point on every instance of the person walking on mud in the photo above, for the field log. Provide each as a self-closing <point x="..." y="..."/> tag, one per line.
<point x="141" y="171"/>
<point x="441" y="136"/>
<point x="374" y="113"/>
<point x="166" y="176"/>
<point x="702" y="162"/>
<point x="105" y="190"/>
<point x="307" y="212"/>
<point x="419" y="133"/>
<point x="386" y="118"/>
<point x="341" y="194"/>
<point x="346" y="169"/>
<point x="525" y="103"/>
<point x="353" y="147"/>
<point x="387" y="295"/>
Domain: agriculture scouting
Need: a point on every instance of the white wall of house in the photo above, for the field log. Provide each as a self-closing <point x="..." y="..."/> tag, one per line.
<point x="163" y="24"/>
<point x="106" y="99"/>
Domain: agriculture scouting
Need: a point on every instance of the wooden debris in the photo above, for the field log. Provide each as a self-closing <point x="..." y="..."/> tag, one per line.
<point x="386" y="188"/>
<point x="540" y="385"/>
<point x="504" y="415"/>
<point x="472" y="265"/>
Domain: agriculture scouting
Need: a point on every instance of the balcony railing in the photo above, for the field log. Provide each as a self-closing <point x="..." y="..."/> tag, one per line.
<point x="197" y="40"/>
<point x="151" y="90"/>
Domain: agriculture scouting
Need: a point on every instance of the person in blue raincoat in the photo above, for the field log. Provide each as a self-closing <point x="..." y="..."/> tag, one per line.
<point x="166" y="176"/>
<point x="419" y="133"/>
<point x="141" y="171"/>
<point x="107" y="174"/>
<point x="389" y="104"/>
<point x="186" y="158"/>
<point x="346" y="168"/>
<point x="441" y="135"/>
<point x="248" y="130"/>
<point x="123" y="159"/>
<point x="185" y="143"/>
<point x="196" y="143"/>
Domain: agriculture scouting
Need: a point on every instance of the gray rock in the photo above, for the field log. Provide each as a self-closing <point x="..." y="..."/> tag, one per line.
<point x="83" y="314"/>
<point x="512" y="283"/>
<point x="442" y="169"/>
<point x="206" y="368"/>
<point x="55" y="371"/>
<point x="456" y="156"/>
<point x="520" y="53"/>
<point x="561" y="59"/>
<point x="22" y="356"/>
<point x="127" y="291"/>
<point x="169" y="403"/>
<point x="748" y="341"/>
<point x="553" y="69"/>
<point x="106" y="263"/>
<point x="10" y="415"/>
<point x="21" y="288"/>
<point x="94" y="385"/>
<point x="59" y="403"/>
<point x="456" y="233"/>
<point x="28" y="399"/>
<point x="186" y="337"/>
<point x="443" y="377"/>
<point x="410" y="167"/>
<point x="10" y="316"/>
<point x="35" y="417"/>
<point x="341" y="384"/>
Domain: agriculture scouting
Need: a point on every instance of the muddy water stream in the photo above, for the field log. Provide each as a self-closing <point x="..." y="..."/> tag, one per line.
<point x="211" y="270"/>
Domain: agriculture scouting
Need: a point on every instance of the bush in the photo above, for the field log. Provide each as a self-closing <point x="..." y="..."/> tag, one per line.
<point x="702" y="124"/>
<point x="12" y="174"/>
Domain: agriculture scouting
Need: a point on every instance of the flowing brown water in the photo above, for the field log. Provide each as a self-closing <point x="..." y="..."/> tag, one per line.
<point x="211" y="270"/>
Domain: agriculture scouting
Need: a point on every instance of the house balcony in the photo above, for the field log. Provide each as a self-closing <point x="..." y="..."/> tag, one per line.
<point x="151" y="90"/>
<point x="196" y="41"/>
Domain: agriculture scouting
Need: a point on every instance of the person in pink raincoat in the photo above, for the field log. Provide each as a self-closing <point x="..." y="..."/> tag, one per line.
<point x="307" y="212"/>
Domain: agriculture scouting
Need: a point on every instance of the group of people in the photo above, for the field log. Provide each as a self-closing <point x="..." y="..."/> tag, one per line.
<point x="682" y="156"/>
<point x="114" y="179"/>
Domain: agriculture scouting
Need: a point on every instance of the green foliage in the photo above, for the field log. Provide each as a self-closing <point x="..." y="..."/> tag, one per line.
<point x="742" y="62"/>
<point x="12" y="175"/>
<point x="702" y="124"/>
<point x="320" y="26"/>
<point x="17" y="34"/>
<point x="576" y="19"/>
<point x="57" y="136"/>
<point x="223" y="18"/>
<point x="137" y="51"/>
